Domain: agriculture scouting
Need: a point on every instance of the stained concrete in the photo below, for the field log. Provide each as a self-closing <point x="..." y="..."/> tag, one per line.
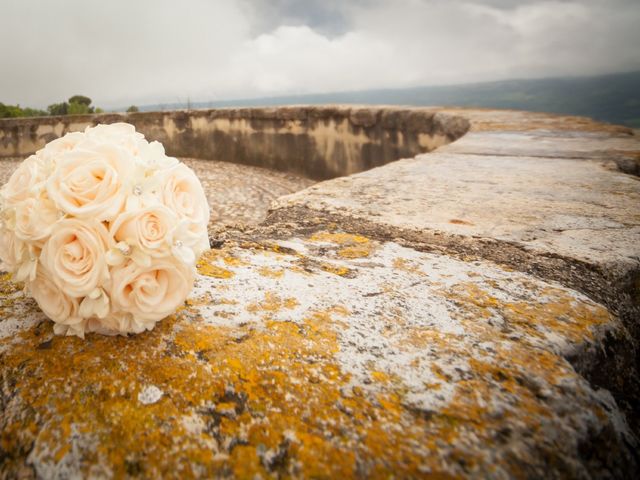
<point x="470" y="312"/>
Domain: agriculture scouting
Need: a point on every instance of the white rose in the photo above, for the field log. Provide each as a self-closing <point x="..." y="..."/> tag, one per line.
<point x="154" y="157"/>
<point x="96" y="304"/>
<point x="150" y="293"/>
<point x="54" y="148"/>
<point x="188" y="240"/>
<point x="147" y="229"/>
<point x="27" y="181"/>
<point x="34" y="219"/>
<point x="54" y="302"/>
<point x="74" y="254"/>
<point x="183" y="194"/>
<point x="91" y="183"/>
<point x="119" y="133"/>
<point x="12" y="250"/>
<point x="123" y="135"/>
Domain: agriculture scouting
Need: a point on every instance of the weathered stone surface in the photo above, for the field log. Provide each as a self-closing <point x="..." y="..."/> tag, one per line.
<point x="548" y="205"/>
<point x="332" y="355"/>
<point x="471" y="312"/>
<point x="319" y="142"/>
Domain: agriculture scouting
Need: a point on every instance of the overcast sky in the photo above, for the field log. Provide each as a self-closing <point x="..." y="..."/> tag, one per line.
<point x="120" y="52"/>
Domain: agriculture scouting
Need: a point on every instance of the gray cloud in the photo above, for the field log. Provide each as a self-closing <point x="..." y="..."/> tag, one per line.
<point x="152" y="51"/>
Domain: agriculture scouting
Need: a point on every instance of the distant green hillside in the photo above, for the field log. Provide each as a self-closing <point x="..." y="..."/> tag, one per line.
<point x="611" y="98"/>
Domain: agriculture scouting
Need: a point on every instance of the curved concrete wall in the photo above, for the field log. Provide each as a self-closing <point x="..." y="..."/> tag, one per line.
<point x="319" y="142"/>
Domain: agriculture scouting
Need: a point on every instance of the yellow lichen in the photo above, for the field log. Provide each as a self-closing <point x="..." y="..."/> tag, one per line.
<point x="271" y="272"/>
<point x="272" y="399"/>
<point x="339" y="238"/>
<point x="272" y="303"/>
<point x="335" y="269"/>
<point x="545" y="311"/>
<point x="407" y="266"/>
<point x="354" y="252"/>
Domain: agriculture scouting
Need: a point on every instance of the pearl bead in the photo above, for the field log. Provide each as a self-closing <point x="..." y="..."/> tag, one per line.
<point x="125" y="250"/>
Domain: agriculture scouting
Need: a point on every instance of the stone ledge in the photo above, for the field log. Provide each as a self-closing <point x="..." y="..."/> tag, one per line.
<point x="327" y="355"/>
<point x="372" y="325"/>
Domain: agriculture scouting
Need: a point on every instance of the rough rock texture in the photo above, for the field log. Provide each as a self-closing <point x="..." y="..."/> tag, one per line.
<point x="471" y="312"/>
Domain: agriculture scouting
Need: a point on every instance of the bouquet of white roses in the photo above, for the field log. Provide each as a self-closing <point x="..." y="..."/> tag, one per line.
<point x="104" y="229"/>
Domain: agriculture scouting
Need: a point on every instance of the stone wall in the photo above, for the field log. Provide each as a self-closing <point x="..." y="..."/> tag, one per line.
<point x="319" y="142"/>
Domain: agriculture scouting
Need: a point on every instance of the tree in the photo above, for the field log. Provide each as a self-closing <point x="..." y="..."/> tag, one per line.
<point x="81" y="99"/>
<point x="76" y="108"/>
<point x="77" y="105"/>
<point x="10" y="111"/>
<point x="33" y="112"/>
<point x="58" y="108"/>
<point x="133" y="109"/>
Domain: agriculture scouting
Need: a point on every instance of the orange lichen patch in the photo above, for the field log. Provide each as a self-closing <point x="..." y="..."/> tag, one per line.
<point x="352" y="246"/>
<point x="457" y="221"/>
<point x="407" y="266"/>
<point x="7" y="289"/>
<point x="269" y="247"/>
<point x="271" y="272"/>
<point x="339" y="238"/>
<point x="380" y="377"/>
<point x="354" y="252"/>
<point x="266" y="411"/>
<point x="339" y="310"/>
<point x="518" y="379"/>
<point x="506" y="385"/>
<point x="233" y="261"/>
<point x="214" y="271"/>
<point x="272" y="303"/>
<point x="336" y="269"/>
<point x="554" y="311"/>
<point x="422" y="337"/>
<point x="206" y="265"/>
<point x="205" y="299"/>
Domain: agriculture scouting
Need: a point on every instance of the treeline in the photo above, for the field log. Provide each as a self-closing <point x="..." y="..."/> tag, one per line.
<point x="76" y="105"/>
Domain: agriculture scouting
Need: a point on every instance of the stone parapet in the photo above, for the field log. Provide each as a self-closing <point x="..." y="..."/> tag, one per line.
<point x="472" y="312"/>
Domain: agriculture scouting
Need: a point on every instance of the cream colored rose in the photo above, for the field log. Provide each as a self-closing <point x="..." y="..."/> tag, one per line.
<point x="124" y="135"/>
<point x="27" y="181"/>
<point x="119" y="133"/>
<point x="34" y="219"/>
<point x="153" y="156"/>
<point x="147" y="229"/>
<point x="12" y="250"/>
<point x="54" y="148"/>
<point x="74" y="254"/>
<point x="92" y="183"/>
<point x="150" y="293"/>
<point x="183" y="194"/>
<point x="52" y="300"/>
